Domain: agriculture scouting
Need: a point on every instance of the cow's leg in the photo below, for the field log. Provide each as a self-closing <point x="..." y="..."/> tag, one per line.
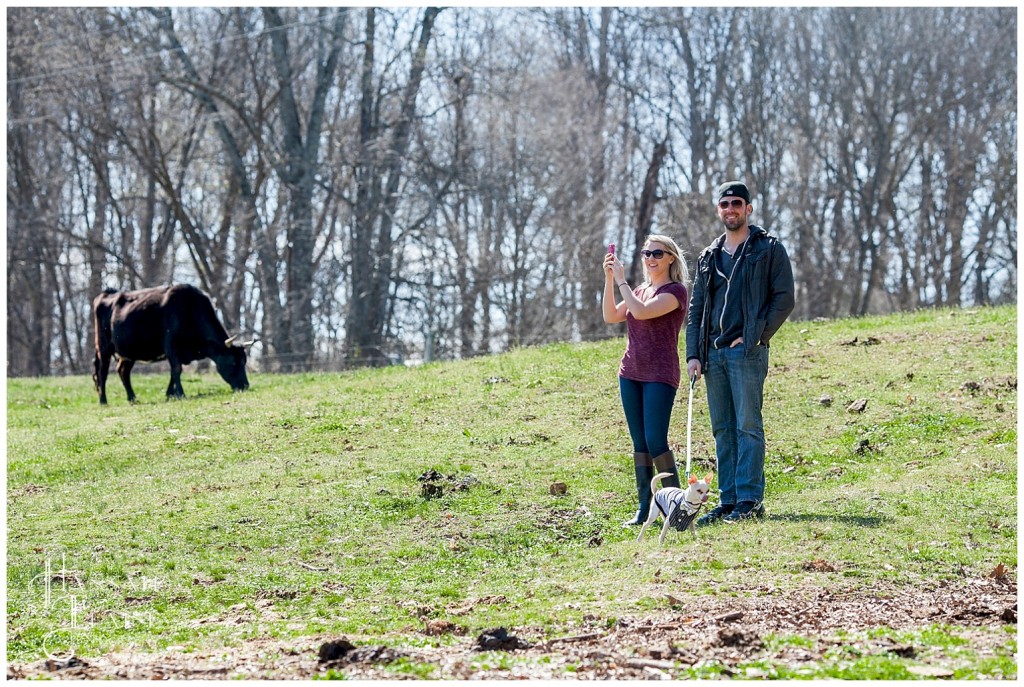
<point x="124" y="371"/>
<point x="101" y="368"/>
<point x="174" y="389"/>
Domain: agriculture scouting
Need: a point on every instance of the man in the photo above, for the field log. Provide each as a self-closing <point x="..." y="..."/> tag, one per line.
<point x="742" y="293"/>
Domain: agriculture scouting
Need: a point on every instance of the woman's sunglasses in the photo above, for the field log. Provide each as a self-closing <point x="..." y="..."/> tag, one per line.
<point x="656" y="254"/>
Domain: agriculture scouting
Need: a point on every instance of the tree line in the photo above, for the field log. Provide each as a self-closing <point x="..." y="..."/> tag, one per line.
<point x="369" y="186"/>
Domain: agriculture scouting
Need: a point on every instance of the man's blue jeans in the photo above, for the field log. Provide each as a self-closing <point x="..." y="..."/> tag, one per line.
<point x="735" y="387"/>
<point x="648" y="408"/>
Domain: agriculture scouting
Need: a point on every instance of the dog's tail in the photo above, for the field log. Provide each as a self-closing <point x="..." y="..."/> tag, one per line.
<point x="660" y="475"/>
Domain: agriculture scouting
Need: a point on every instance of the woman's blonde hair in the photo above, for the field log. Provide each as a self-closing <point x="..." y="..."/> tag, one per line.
<point x="677" y="270"/>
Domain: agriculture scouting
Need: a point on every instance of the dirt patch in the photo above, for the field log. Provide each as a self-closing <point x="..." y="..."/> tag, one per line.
<point x="434" y="484"/>
<point x="499" y="639"/>
<point x="728" y="631"/>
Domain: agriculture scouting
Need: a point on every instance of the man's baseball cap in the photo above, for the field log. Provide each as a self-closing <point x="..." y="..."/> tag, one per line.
<point x="733" y="188"/>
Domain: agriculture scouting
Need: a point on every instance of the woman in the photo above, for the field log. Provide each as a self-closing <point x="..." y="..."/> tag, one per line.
<point x="654" y="312"/>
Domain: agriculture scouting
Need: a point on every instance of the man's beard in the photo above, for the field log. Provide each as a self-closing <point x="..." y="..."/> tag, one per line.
<point x="733" y="224"/>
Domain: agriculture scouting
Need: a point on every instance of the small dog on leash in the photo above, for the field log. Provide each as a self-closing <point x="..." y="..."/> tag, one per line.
<point x="668" y="499"/>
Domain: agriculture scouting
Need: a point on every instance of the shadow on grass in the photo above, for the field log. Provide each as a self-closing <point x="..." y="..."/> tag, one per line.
<point x="853" y="520"/>
<point x="226" y="392"/>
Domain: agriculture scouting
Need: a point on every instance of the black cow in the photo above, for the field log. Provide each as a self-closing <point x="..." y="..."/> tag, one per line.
<point x="173" y="322"/>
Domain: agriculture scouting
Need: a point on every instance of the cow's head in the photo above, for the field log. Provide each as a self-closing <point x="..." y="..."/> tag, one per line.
<point x="231" y="365"/>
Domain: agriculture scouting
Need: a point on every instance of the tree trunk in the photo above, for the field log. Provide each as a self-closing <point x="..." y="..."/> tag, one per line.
<point x="373" y="248"/>
<point x="298" y="173"/>
<point x="645" y="208"/>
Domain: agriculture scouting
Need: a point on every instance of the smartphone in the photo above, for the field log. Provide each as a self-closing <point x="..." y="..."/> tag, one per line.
<point x="611" y="248"/>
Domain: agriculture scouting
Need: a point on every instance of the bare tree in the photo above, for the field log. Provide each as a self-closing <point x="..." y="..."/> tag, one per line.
<point x="383" y="147"/>
<point x="245" y="173"/>
<point x="300" y="152"/>
<point x="692" y="55"/>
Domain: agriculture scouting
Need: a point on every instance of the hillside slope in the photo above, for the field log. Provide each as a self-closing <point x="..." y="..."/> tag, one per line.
<point x="413" y="508"/>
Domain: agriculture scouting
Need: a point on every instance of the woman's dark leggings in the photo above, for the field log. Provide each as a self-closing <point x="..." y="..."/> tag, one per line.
<point x="648" y="408"/>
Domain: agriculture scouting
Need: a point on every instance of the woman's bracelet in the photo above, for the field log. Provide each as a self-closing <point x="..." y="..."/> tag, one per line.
<point x="621" y="284"/>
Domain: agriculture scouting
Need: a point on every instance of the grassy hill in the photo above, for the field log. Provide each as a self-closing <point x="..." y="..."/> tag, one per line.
<point x="305" y="507"/>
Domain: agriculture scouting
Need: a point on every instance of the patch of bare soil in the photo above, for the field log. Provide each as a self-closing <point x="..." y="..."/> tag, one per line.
<point x="694" y="630"/>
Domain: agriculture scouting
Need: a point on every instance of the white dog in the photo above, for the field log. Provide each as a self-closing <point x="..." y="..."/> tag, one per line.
<point x="669" y="499"/>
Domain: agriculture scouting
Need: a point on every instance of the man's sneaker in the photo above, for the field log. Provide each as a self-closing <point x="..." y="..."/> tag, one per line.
<point x="715" y="514"/>
<point x="745" y="510"/>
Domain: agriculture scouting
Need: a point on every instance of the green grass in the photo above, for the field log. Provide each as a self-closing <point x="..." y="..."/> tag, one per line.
<point x="294" y="509"/>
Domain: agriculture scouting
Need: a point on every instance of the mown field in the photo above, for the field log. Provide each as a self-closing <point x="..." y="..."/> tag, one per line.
<point x="410" y="510"/>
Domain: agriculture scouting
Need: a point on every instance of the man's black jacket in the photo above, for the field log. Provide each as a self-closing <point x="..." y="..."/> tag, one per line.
<point x="766" y="297"/>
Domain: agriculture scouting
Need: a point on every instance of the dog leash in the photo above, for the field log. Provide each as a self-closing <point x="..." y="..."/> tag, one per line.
<point x="689" y="426"/>
<point x="679" y="519"/>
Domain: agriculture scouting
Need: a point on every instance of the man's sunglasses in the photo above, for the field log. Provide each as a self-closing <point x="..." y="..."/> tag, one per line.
<point x="735" y="202"/>
<point x="656" y="254"/>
